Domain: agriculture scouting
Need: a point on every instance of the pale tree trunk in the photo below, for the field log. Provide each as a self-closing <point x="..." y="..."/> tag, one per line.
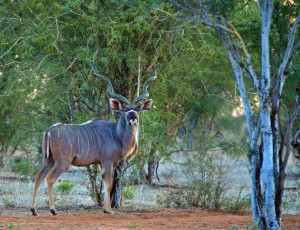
<point x="255" y="153"/>
<point x="267" y="137"/>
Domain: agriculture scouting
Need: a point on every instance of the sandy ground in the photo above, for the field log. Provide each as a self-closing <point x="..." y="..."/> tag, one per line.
<point x="130" y="218"/>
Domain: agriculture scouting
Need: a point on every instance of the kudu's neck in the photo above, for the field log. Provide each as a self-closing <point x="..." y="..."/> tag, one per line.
<point x="126" y="132"/>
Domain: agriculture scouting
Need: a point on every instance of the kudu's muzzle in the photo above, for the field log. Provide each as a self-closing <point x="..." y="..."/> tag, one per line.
<point x="132" y="117"/>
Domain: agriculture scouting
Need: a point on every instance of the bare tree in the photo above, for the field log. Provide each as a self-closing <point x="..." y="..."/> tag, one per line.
<point x="267" y="141"/>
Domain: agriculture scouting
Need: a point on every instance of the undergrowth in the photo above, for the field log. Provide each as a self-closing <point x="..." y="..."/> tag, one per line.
<point x="208" y="188"/>
<point x="65" y="187"/>
<point x="128" y="192"/>
<point x="24" y="167"/>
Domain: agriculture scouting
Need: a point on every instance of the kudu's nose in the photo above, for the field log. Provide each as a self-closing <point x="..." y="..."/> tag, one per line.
<point x="132" y="117"/>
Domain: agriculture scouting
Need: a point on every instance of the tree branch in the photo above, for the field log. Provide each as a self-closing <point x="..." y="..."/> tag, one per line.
<point x="222" y="24"/>
<point x="10" y="48"/>
<point x="288" y="132"/>
<point x="290" y="50"/>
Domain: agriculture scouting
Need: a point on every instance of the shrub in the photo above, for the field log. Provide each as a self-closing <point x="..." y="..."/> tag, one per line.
<point x="208" y="187"/>
<point x="209" y="181"/>
<point x="8" y="201"/>
<point x="65" y="187"/>
<point x="173" y="199"/>
<point x="131" y="226"/>
<point x="128" y="192"/>
<point x="238" y="204"/>
<point x="24" y="167"/>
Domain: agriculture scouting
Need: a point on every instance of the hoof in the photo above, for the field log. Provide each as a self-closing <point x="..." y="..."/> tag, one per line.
<point x="108" y="211"/>
<point x="33" y="210"/>
<point x="53" y="211"/>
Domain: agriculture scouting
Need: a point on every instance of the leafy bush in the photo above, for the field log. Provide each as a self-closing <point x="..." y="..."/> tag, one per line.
<point x="65" y="187"/>
<point x="209" y="181"/>
<point x="131" y="226"/>
<point x="238" y="204"/>
<point x="191" y="197"/>
<point x="173" y="199"/>
<point x="128" y="192"/>
<point x="8" y="201"/>
<point x="208" y="187"/>
<point x="24" y="167"/>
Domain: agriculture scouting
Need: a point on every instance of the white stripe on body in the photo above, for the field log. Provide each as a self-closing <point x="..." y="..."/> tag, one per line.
<point x="91" y="138"/>
<point x="78" y="133"/>
<point x="87" y="122"/>
<point x="99" y="140"/>
<point x="80" y="152"/>
<point x="88" y="143"/>
<point x="56" y="124"/>
<point x="68" y="138"/>
<point x="48" y="143"/>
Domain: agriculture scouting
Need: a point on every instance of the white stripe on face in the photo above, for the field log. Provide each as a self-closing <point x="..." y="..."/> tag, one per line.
<point x="132" y="117"/>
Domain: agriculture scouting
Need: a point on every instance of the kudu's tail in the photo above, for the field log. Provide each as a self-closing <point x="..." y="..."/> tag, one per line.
<point x="46" y="145"/>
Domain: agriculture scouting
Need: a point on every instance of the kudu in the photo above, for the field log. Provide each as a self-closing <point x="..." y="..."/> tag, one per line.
<point x="93" y="142"/>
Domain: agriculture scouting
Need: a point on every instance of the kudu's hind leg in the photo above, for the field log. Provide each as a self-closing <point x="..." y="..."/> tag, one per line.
<point x="51" y="178"/>
<point x="107" y="182"/>
<point x="38" y="180"/>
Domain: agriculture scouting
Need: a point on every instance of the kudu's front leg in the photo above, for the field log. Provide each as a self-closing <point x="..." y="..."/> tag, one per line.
<point x="107" y="185"/>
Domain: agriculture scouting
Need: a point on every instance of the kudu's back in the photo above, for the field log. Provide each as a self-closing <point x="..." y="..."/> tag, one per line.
<point x="82" y="145"/>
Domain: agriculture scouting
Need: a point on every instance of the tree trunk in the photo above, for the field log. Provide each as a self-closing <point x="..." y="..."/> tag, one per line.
<point x="96" y="190"/>
<point x="256" y="193"/>
<point x="296" y="143"/>
<point x="192" y="126"/>
<point x="151" y="167"/>
<point x="152" y="162"/>
<point x="116" y="192"/>
<point x="268" y="181"/>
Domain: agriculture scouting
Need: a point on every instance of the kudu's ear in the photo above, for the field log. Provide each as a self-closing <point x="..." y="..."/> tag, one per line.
<point x="115" y="104"/>
<point x="147" y="105"/>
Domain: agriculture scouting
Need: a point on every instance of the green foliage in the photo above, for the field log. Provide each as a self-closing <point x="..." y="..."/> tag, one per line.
<point x="201" y="197"/>
<point x="131" y="226"/>
<point x="250" y="226"/>
<point x="9" y="226"/>
<point x="238" y="204"/>
<point x="8" y="201"/>
<point x="24" y="167"/>
<point x="208" y="185"/>
<point x="52" y="81"/>
<point x="128" y="192"/>
<point x="65" y="187"/>
<point x="234" y="228"/>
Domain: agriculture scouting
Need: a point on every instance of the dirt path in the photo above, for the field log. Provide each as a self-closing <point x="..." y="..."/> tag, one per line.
<point x="130" y="218"/>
